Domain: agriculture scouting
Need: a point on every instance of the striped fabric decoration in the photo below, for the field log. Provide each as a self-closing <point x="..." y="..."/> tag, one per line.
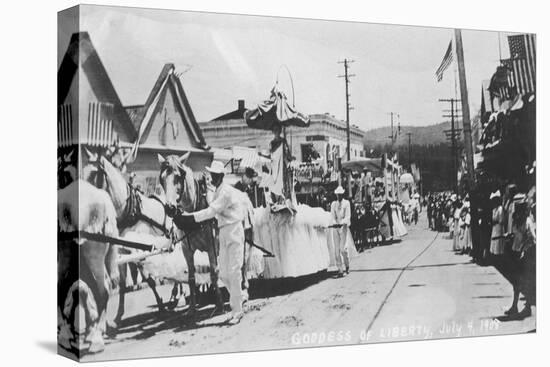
<point x="445" y="63"/>
<point x="100" y="124"/>
<point x="65" y="128"/>
<point x="522" y="63"/>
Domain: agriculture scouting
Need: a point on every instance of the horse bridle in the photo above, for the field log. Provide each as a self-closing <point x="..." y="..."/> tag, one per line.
<point x="200" y="194"/>
<point x="133" y="209"/>
<point x="181" y="176"/>
<point x="165" y="230"/>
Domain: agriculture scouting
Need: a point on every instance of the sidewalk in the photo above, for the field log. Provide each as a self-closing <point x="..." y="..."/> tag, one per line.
<point x="442" y="295"/>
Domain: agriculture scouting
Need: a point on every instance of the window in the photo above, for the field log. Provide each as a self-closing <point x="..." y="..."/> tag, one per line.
<point x="309" y="153"/>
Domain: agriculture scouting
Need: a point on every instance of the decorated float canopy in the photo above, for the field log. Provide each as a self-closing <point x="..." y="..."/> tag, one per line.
<point x="506" y="145"/>
<point x="275" y="112"/>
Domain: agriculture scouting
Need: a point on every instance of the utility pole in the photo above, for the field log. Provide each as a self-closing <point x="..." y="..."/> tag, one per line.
<point x="346" y="77"/>
<point x="393" y="136"/>
<point x="465" y="109"/>
<point x="452" y="136"/>
<point x="409" y="135"/>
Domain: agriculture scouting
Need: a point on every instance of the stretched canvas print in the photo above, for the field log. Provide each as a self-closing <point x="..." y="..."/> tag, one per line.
<point x="233" y="183"/>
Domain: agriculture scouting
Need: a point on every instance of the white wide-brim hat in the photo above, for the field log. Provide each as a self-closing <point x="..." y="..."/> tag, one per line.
<point x="339" y="190"/>
<point x="495" y="194"/>
<point x="216" y="167"/>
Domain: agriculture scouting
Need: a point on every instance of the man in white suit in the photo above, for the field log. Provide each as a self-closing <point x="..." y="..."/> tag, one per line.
<point x="340" y="211"/>
<point x="227" y="207"/>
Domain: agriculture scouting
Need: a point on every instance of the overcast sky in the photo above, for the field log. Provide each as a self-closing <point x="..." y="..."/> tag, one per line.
<point x="229" y="57"/>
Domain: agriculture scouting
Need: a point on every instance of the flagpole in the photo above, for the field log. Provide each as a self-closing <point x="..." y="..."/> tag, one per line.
<point x="455" y="74"/>
<point x="499" y="48"/>
<point x="455" y="70"/>
<point x="465" y="109"/>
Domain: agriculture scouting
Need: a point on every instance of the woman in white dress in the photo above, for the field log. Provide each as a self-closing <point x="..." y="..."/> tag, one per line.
<point x="466" y="234"/>
<point x="399" y="229"/>
<point x="497" y="240"/>
<point x="455" y="224"/>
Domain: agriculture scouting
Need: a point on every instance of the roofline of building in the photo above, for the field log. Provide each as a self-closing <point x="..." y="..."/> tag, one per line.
<point x="167" y="76"/>
<point x="81" y="42"/>
<point x="313" y="118"/>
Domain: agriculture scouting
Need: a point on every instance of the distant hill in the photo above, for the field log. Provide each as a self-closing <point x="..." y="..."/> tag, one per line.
<point x="430" y="150"/>
<point x="421" y="135"/>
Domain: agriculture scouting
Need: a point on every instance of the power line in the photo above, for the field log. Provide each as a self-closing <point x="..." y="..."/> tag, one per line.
<point x="453" y="135"/>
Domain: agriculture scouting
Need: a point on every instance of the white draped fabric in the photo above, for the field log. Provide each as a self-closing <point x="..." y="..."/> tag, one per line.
<point x="399" y="229"/>
<point x="276" y="180"/>
<point x="302" y="244"/>
<point x="299" y="242"/>
<point x="172" y="266"/>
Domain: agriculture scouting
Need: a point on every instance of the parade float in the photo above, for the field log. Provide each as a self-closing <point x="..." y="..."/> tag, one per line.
<point x="299" y="236"/>
<point x="381" y="183"/>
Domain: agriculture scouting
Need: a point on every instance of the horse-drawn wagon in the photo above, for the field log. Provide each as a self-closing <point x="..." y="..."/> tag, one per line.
<point x="296" y="238"/>
<point x="144" y="236"/>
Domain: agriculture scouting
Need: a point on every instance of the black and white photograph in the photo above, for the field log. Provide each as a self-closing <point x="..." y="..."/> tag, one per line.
<point x="235" y="183"/>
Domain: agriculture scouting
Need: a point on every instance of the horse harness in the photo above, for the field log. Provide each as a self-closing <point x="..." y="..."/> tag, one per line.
<point x="133" y="212"/>
<point x="209" y="225"/>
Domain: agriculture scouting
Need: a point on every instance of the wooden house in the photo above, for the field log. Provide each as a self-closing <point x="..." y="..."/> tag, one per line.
<point x="89" y="110"/>
<point x="166" y="125"/>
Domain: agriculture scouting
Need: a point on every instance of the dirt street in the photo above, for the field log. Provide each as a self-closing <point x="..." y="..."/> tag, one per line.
<point x="415" y="289"/>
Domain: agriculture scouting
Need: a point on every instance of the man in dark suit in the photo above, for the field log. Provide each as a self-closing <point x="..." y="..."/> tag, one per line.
<point x="249" y="186"/>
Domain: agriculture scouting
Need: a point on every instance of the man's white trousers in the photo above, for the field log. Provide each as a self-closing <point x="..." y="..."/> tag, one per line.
<point x="342" y="255"/>
<point x="231" y="261"/>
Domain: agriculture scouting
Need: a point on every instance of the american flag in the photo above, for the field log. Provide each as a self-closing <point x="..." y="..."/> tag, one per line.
<point x="447" y="60"/>
<point x="522" y="63"/>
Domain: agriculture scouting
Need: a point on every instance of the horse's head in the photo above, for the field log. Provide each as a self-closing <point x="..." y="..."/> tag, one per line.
<point x="67" y="170"/>
<point x="119" y="157"/>
<point x="177" y="181"/>
<point x="103" y="174"/>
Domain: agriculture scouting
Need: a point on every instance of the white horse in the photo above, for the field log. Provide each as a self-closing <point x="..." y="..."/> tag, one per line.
<point x="138" y="217"/>
<point x="83" y="266"/>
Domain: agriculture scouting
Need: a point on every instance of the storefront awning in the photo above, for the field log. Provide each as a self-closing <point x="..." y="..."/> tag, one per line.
<point x="247" y="157"/>
<point x="373" y="165"/>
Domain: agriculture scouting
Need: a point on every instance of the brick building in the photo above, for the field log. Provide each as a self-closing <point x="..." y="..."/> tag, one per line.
<point x="326" y="135"/>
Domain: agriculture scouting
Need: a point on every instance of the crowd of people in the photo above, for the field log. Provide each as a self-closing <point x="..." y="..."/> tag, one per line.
<point x="449" y="212"/>
<point x="512" y="242"/>
<point x="495" y="228"/>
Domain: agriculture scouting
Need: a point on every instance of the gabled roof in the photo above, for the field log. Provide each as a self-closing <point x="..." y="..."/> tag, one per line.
<point x="81" y="53"/>
<point x="238" y="114"/>
<point x="143" y="116"/>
